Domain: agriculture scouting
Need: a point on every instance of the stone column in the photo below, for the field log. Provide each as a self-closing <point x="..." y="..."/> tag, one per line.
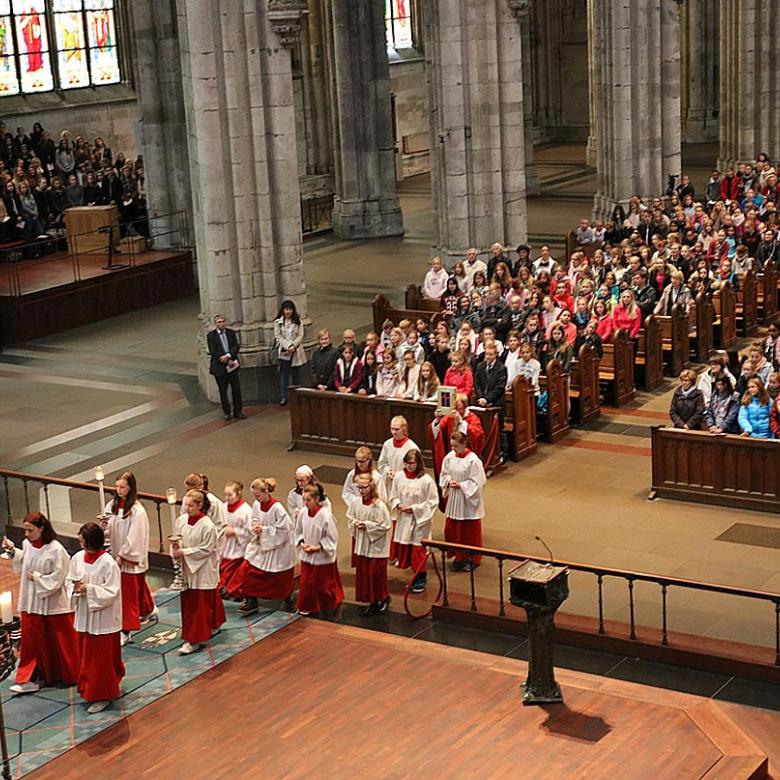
<point x="238" y="95"/>
<point x="591" y="150"/>
<point x="366" y="203"/>
<point x="700" y="69"/>
<point x="524" y="12"/>
<point x="162" y="120"/>
<point x="637" y="91"/>
<point x="749" y="80"/>
<point x="475" y="82"/>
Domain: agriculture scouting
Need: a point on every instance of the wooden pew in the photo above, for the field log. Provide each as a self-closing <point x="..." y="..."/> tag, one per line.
<point x="746" y="307"/>
<point x="616" y="369"/>
<point x="384" y="310"/>
<point x="725" y="322"/>
<point x="572" y="246"/>
<point x="675" y="340"/>
<point x="339" y="423"/>
<point x="556" y="383"/>
<point x="701" y="317"/>
<point x="766" y="296"/>
<point x="414" y="300"/>
<point x="584" y="391"/>
<point x="722" y="469"/>
<point x="520" y="419"/>
<point x="649" y="357"/>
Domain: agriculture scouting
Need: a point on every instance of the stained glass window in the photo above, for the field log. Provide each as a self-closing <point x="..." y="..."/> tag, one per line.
<point x="398" y="19"/>
<point x="57" y="44"/>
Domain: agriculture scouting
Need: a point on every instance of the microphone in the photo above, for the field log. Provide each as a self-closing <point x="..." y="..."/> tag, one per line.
<point x="546" y="547"/>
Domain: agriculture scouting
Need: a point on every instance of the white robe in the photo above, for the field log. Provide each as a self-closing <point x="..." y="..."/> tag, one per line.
<point x="350" y="489"/>
<point x="465" y="502"/>
<point x="100" y="610"/>
<point x="129" y="537"/>
<point x="373" y="541"/>
<point x="46" y="593"/>
<point x="320" y="529"/>
<point x="274" y="551"/>
<point x="200" y="544"/>
<point x="421" y="495"/>
<point x="218" y="515"/>
<point x="240" y="521"/>
<point x="391" y="459"/>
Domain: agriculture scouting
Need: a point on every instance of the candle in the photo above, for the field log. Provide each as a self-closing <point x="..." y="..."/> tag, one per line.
<point x="100" y="476"/>
<point x="170" y="495"/>
<point x="6" y="607"/>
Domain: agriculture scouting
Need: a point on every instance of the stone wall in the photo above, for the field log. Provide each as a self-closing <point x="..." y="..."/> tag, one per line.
<point x="408" y="86"/>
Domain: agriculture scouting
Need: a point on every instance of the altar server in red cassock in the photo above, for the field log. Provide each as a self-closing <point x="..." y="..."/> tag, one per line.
<point x="128" y="533"/>
<point x="462" y="481"/>
<point x="94" y="583"/>
<point x="316" y="539"/>
<point x="268" y="569"/>
<point x="202" y="612"/>
<point x="49" y="652"/>
<point x="238" y="532"/>
<point x="463" y="420"/>
<point x="369" y="524"/>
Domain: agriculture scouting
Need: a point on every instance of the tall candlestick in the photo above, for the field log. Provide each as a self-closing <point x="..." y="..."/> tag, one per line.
<point x="170" y="495"/>
<point x="100" y="476"/>
<point x="6" y="607"/>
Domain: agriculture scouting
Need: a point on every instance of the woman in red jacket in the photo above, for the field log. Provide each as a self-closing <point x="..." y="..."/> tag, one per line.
<point x="605" y="324"/>
<point x="459" y="374"/>
<point x="627" y="314"/>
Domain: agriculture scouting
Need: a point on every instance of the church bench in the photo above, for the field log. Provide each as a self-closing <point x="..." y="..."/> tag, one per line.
<point x="556" y="421"/>
<point x="616" y="369"/>
<point x="721" y="469"/>
<point x="745" y="305"/>
<point x="649" y="357"/>
<point x="584" y="391"/>
<point x="520" y="418"/>
<point x="675" y="339"/>
<point x="766" y="297"/>
<point x="701" y="317"/>
<point x="725" y="322"/>
<point x="414" y="299"/>
<point x="384" y="310"/>
<point x="339" y="423"/>
<point x="573" y="246"/>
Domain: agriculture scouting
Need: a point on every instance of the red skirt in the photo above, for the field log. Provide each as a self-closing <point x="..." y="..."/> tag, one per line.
<point x="370" y="579"/>
<point x="411" y="556"/>
<point x="320" y="589"/>
<point x="50" y="649"/>
<point x="467" y="532"/>
<point x="256" y="583"/>
<point x="202" y="613"/>
<point x="228" y="568"/>
<point x="137" y="600"/>
<point x="101" y="666"/>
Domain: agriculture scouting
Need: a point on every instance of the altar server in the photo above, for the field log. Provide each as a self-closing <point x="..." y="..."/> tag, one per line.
<point x="369" y="524"/>
<point x="364" y="464"/>
<point x="317" y="538"/>
<point x="237" y="534"/>
<point x="49" y="651"/>
<point x="414" y="497"/>
<point x="462" y="481"/>
<point x="303" y="476"/>
<point x="128" y="533"/>
<point x="215" y="507"/>
<point x="268" y="569"/>
<point x="202" y="612"/>
<point x="94" y="583"/>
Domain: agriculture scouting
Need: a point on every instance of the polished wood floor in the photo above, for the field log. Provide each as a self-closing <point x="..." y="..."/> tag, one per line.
<point x="330" y="701"/>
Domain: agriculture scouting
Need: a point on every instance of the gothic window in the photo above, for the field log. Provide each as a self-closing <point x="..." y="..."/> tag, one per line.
<point x="399" y="20"/>
<point x="57" y="44"/>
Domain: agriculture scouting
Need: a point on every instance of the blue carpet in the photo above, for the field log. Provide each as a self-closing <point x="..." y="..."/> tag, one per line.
<point x="42" y="726"/>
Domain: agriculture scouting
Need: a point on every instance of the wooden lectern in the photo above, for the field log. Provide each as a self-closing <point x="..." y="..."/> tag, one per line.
<point x="84" y="223"/>
<point x="539" y="588"/>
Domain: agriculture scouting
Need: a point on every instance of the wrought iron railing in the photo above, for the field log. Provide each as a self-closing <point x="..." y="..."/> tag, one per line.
<point x="316" y="214"/>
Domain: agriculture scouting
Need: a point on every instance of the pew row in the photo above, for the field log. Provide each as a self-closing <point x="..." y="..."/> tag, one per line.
<point x="616" y="369"/>
<point x="725" y="322"/>
<point x="649" y="357"/>
<point x="721" y="469"/>
<point x="414" y="300"/>
<point x="675" y="340"/>
<point x="520" y="419"/>
<point x="766" y="297"/>
<point x="702" y="318"/>
<point x="746" y="306"/>
<point x="584" y="390"/>
<point x="384" y="310"/>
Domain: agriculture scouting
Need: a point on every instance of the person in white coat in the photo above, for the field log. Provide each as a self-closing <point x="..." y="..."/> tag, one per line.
<point x="462" y="480"/>
<point x="237" y="535"/>
<point x="128" y="532"/>
<point x="268" y="570"/>
<point x="414" y="497"/>
<point x="369" y="524"/>
<point x="202" y="612"/>
<point x="94" y="584"/>
<point x="49" y="651"/>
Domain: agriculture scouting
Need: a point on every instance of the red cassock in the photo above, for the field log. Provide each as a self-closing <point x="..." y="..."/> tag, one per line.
<point x="102" y="668"/>
<point x="228" y="568"/>
<point x="49" y="650"/>
<point x="256" y="583"/>
<point x="202" y="613"/>
<point x="466" y="532"/>
<point x="137" y="600"/>
<point x="320" y="588"/>
<point x="411" y="556"/>
<point x="370" y="579"/>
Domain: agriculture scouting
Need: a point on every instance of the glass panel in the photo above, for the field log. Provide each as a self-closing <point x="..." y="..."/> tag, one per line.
<point x="103" y="52"/>
<point x="402" y="24"/>
<point x="97" y="5"/>
<point x="66" y="5"/>
<point x="389" y="24"/>
<point x="9" y="85"/>
<point x="33" y="40"/>
<point x="71" y="56"/>
<point x="5" y="7"/>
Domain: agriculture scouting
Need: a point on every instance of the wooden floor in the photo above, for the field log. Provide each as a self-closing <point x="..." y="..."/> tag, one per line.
<point x="323" y="700"/>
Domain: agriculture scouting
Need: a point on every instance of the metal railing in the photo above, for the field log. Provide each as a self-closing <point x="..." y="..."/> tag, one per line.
<point x="316" y="214"/>
<point x="664" y="583"/>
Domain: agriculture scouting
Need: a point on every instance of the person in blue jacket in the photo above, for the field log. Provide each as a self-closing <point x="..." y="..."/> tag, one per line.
<point x="754" y="411"/>
<point x="724" y="406"/>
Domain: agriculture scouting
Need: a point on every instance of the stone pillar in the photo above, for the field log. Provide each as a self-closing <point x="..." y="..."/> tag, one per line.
<point x="238" y="94"/>
<point x="749" y="80"/>
<point x="700" y="69"/>
<point x="162" y="120"/>
<point x="475" y="82"/>
<point x="591" y="150"/>
<point x="524" y="14"/>
<point x="637" y="93"/>
<point x="366" y="203"/>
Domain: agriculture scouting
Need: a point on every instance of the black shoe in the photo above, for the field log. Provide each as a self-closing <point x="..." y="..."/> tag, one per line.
<point x="283" y="402"/>
<point x="419" y="585"/>
<point x="240" y="416"/>
<point x="370" y="610"/>
<point x="458" y="566"/>
<point x="248" y="606"/>
<point x="383" y="606"/>
<point x="469" y="566"/>
<point x="228" y="417"/>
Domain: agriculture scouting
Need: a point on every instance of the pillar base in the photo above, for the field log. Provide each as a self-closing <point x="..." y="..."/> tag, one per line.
<point x="259" y="384"/>
<point x="367" y="219"/>
<point x="533" y="188"/>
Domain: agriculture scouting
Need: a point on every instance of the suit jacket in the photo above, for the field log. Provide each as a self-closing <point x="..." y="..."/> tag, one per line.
<point x="490" y="385"/>
<point x="216" y="350"/>
<point x="110" y="190"/>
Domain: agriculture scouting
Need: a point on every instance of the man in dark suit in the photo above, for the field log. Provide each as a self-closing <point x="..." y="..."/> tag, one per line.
<point x="224" y="348"/>
<point x="490" y="386"/>
<point x="110" y="187"/>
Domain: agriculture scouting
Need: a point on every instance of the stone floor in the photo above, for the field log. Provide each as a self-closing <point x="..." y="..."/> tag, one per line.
<point x="124" y="393"/>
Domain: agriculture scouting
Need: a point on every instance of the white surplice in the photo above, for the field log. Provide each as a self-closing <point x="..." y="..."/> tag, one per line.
<point x="421" y="495"/>
<point x="240" y="521"/>
<point x="350" y="489"/>
<point x="318" y="530"/>
<point x="100" y="610"/>
<point x="129" y="537"/>
<point x="273" y="551"/>
<point x="46" y="593"/>
<point x="464" y="502"/>
<point x="373" y="541"/>
<point x="391" y="460"/>
<point x="200" y="544"/>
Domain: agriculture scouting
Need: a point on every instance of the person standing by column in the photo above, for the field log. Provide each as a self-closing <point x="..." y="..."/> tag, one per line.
<point x="95" y="583"/>
<point x="49" y="652"/>
<point x="225" y="367"/>
<point x="288" y="332"/>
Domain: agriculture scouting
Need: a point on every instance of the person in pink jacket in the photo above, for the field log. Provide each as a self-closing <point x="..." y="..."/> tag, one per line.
<point x="627" y="314"/>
